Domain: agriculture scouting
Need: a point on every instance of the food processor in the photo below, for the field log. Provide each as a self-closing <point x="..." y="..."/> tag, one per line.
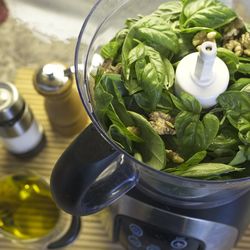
<point x="147" y="209"/>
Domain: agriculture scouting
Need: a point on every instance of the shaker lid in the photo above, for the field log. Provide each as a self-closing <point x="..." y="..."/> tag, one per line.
<point x="52" y="78"/>
<point x="11" y="103"/>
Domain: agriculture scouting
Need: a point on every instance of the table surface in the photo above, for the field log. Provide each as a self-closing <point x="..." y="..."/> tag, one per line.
<point x="93" y="235"/>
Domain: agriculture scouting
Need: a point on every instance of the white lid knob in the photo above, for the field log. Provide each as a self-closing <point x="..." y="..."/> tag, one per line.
<point x="203" y="75"/>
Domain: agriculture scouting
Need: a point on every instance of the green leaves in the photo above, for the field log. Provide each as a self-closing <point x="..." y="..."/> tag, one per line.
<point x="153" y="149"/>
<point x="225" y="144"/>
<point x="169" y="10"/>
<point x="194" y="160"/>
<point x="187" y="102"/>
<point x="194" y="135"/>
<point x="148" y="49"/>
<point x="152" y="74"/>
<point x="244" y="68"/>
<point x="151" y="31"/>
<point x="207" y="170"/>
<point x="205" y="13"/>
<point x="112" y="49"/>
<point x="236" y="105"/>
<point x="110" y="106"/>
<point x="240" y="84"/>
<point x="242" y="155"/>
<point x="156" y="33"/>
<point x="230" y="59"/>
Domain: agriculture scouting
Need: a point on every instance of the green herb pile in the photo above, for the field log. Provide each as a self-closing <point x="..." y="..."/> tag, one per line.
<point x="135" y="100"/>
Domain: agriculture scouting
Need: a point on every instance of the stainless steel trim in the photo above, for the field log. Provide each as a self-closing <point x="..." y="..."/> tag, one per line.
<point x="12" y="104"/>
<point x="19" y="127"/>
<point x="216" y="236"/>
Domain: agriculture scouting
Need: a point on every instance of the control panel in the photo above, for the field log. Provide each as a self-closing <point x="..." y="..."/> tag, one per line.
<point x="138" y="235"/>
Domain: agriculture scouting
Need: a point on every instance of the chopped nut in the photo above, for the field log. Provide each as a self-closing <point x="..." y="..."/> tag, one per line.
<point x="238" y="53"/>
<point x="211" y="36"/>
<point x="233" y="29"/>
<point x="174" y="157"/>
<point x="235" y="46"/>
<point x="247" y="52"/>
<point x="232" y="44"/>
<point x="202" y="37"/>
<point x="245" y="40"/>
<point x="198" y="48"/>
<point x="162" y="123"/>
<point x="238" y="48"/>
<point x="199" y="38"/>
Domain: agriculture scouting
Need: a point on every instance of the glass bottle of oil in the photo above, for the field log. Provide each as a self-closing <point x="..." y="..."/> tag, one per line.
<point x="26" y="208"/>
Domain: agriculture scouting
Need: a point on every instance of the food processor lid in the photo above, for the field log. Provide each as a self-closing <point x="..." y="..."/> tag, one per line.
<point x="11" y="102"/>
<point x="52" y="78"/>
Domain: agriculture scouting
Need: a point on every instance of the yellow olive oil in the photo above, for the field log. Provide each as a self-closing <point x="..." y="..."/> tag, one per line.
<point x="26" y="207"/>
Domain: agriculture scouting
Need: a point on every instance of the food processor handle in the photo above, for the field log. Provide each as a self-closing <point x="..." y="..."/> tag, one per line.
<point x="69" y="236"/>
<point x="75" y="185"/>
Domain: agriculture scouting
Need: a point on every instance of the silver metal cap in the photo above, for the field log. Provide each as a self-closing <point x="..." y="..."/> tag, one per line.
<point x="52" y="78"/>
<point x="11" y="102"/>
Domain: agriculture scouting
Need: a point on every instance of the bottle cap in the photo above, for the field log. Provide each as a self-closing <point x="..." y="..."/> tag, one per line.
<point x="52" y="78"/>
<point x="203" y="75"/>
<point x="11" y="102"/>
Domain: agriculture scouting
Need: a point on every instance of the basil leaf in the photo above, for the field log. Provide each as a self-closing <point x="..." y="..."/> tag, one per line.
<point x="114" y="118"/>
<point x="244" y="134"/>
<point x="240" y="84"/>
<point x="161" y="38"/>
<point x="244" y="59"/>
<point x="112" y="49"/>
<point x="165" y="104"/>
<point x="113" y="84"/>
<point x="225" y="143"/>
<point x="205" y="170"/>
<point x="194" y="160"/>
<point x="230" y="59"/>
<point x="169" y="9"/>
<point x="152" y="149"/>
<point x="187" y="102"/>
<point x="206" y="13"/>
<point x="151" y="31"/>
<point x="151" y="72"/>
<point x="194" y="135"/>
<point x="169" y="74"/>
<point x="151" y="85"/>
<point x="143" y="102"/>
<point x="103" y="100"/>
<point x="136" y="53"/>
<point x="242" y="156"/>
<point x="132" y="85"/>
<point x="244" y="68"/>
<point x="117" y="135"/>
<point x="236" y="105"/>
<point x="109" y="104"/>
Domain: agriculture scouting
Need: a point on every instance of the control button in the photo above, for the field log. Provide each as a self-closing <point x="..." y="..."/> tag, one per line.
<point x="134" y="241"/>
<point x="136" y="230"/>
<point x="153" y="247"/>
<point x="179" y="243"/>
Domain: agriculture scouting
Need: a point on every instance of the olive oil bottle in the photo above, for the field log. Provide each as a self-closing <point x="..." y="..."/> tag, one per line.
<point x="26" y="209"/>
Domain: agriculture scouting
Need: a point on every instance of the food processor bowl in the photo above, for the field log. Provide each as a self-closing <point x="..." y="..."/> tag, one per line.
<point x="105" y="19"/>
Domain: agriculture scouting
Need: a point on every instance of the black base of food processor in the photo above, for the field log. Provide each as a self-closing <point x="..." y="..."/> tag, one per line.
<point x="140" y="223"/>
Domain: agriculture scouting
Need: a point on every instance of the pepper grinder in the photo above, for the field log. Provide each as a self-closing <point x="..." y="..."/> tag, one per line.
<point x="62" y="103"/>
<point x="20" y="133"/>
